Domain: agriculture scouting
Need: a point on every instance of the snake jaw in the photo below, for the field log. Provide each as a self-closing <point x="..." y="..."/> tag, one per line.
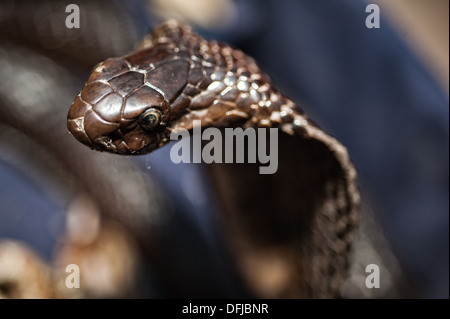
<point x="126" y="138"/>
<point x="106" y="142"/>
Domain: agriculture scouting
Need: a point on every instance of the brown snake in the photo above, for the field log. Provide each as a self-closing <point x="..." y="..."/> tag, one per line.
<point x="131" y="104"/>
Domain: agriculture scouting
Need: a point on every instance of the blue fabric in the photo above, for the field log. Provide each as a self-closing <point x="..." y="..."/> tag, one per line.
<point x="27" y="212"/>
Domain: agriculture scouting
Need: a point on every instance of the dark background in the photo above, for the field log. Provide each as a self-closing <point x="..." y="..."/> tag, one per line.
<point x="382" y="92"/>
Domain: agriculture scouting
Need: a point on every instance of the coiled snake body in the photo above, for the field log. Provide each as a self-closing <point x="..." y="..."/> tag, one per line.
<point x="291" y="232"/>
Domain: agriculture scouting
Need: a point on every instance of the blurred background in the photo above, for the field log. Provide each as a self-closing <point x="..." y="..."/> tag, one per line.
<point x="144" y="227"/>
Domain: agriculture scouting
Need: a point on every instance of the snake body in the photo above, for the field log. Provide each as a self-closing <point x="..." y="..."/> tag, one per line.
<point x="292" y="232"/>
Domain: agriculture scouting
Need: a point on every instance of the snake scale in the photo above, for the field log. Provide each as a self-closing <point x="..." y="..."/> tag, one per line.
<point x="291" y="232"/>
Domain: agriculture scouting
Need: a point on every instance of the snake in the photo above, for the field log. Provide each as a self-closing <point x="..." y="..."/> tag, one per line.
<point x="291" y="232"/>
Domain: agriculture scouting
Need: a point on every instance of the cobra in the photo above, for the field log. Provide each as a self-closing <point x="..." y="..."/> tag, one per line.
<point x="302" y="220"/>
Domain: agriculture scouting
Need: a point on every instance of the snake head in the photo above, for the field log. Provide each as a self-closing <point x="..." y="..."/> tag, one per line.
<point x="125" y="106"/>
<point x="119" y="111"/>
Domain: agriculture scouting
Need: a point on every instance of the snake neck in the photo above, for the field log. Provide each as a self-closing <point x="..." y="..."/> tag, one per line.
<point x="225" y="88"/>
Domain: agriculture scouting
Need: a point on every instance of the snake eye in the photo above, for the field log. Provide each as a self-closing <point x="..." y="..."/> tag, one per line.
<point x="150" y="119"/>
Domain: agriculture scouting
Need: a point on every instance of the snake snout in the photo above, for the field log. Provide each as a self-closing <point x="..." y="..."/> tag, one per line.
<point x="88" y="126"/>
